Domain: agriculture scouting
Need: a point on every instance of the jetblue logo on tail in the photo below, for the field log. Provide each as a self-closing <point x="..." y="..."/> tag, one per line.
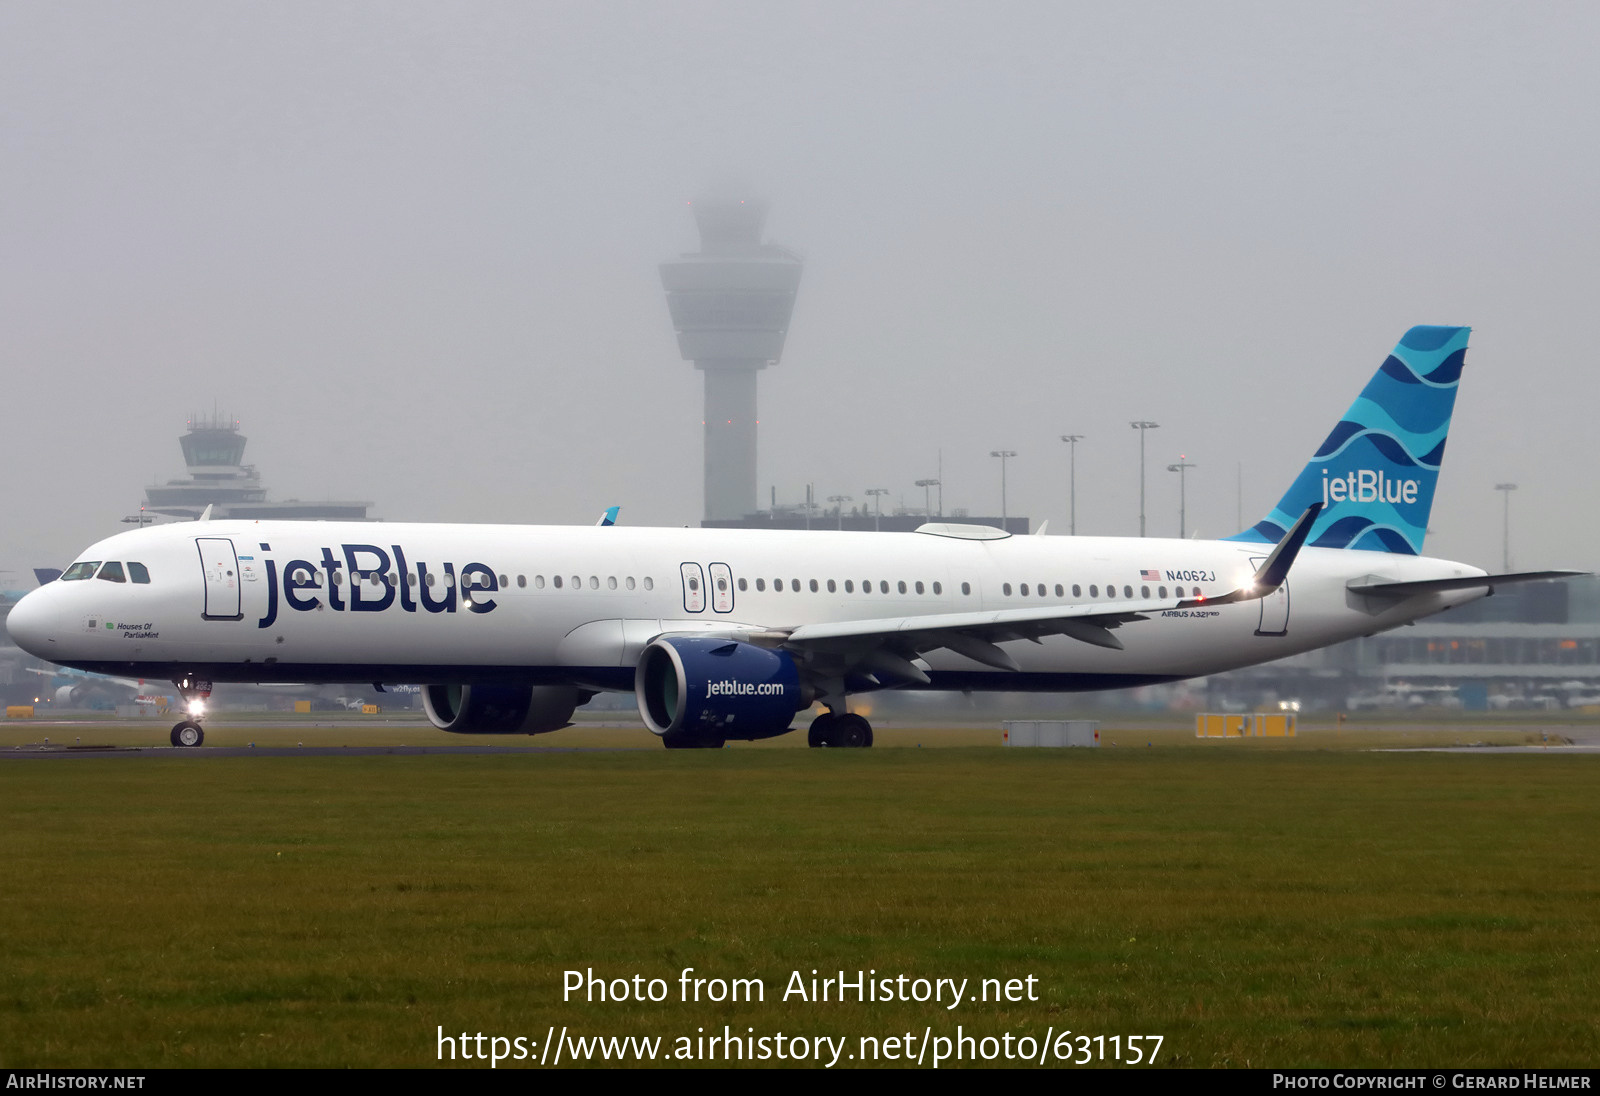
<point x="1375" y="473"/>
<point x="1367" y="485"/>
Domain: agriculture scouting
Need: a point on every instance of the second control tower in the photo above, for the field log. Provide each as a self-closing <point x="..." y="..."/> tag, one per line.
<point x="730" y="303"/>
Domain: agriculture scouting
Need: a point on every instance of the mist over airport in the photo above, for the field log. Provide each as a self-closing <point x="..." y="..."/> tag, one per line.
<point x="415" y="250"/>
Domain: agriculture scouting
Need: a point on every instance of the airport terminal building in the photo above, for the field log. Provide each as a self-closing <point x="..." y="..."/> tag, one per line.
<point x="213" y="452"/>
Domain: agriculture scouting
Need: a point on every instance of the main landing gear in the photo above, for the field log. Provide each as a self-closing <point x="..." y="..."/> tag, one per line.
<point x="844" y="731"/>
<point x="195" y="694"/>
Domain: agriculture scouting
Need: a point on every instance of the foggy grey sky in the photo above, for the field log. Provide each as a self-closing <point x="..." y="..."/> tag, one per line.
<point x="414" y="249"/>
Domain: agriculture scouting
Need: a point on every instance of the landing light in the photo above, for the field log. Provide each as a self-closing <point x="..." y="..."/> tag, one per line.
<point x="197" y="707"/>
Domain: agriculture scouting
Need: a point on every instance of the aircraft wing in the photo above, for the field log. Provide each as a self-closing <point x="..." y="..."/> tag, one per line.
<point x="888" y="644"/>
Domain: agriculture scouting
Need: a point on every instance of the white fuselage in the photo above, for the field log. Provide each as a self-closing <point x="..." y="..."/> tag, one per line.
<point x="576" y="605"/>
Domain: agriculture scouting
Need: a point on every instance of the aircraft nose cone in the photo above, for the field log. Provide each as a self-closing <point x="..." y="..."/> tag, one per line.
<point x="30" y="625"/>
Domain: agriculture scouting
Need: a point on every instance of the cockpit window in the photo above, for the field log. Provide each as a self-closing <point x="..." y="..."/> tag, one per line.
<point x="85" y="569"/>
<point x="112" y="572"/>
<point x="137" y="572"/>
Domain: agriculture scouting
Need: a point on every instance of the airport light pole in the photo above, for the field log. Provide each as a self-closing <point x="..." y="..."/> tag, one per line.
<point x="1181" y="467"/>
<point x="1505" y="544"/>
<point x="877" y="494"/>
<point x="1142" y="425"/>
<point x="1004" y="455"/>
<point x="927" y="494"/>
<point x="1072" y="441"/>
<point x="838" y="506"/>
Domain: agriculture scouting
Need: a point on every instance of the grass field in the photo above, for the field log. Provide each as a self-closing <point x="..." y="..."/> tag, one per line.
<point x="1260" y="904"/>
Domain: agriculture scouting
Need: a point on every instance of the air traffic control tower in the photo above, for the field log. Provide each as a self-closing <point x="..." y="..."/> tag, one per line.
<point x="730" y="303"/>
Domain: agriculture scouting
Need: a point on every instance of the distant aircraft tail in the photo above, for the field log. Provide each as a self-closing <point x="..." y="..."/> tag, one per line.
<point x="1376" y="472"/>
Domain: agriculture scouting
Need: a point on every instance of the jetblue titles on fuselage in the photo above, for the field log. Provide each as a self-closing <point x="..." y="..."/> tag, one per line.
<point x="379" y="580"/>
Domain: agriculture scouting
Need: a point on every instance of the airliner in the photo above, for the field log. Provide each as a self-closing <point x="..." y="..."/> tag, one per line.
<point x="730" y="634"/>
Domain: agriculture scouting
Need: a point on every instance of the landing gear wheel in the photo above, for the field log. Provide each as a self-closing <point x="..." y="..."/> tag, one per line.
<point x="852" y="732"/>
<point x="821" y="732"/>
<point x="188" y="733"/>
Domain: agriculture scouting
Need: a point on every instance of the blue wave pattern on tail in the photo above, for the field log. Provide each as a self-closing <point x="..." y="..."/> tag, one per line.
<point x="1376" y="472"/>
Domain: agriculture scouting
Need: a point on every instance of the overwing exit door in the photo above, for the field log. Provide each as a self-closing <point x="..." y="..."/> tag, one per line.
<point x="694" y="588"/>
<point x="220" y="564"/>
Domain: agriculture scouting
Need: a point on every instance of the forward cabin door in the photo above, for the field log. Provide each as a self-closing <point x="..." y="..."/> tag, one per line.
<point x="220" y="565"/>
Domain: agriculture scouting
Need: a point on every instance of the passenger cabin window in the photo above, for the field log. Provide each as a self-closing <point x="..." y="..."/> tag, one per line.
<point x="137" y="572"/>
<point x="966" y="588"/>
<point x="112" y="572"/>
<point x="522" y="581"/>
<point x="919" y="587"/>
<point x="938" y="589"/>
<point x="902" y="586"/>
<point x="1006" y="589"/>
<point x="649" y="583"/>
<point x="794" y="585"/>
<point x="1077" y="591"/>
<point x="611" y="583"/>
<point x="813" y="586"/>
<point x="1162" y="592"/>
<point x="538" y="582"/>
<point x="555" y="581"/>
<point x="1144" y="591"/>
<point x="630" y="582"/>
<point x="761" y="584"/>
<point x="85" y="569"/>
<point x="1127" y="592"/>
<point x="883" y="586"/>
<point x="1094" y="591"/>
<point x="744" y="585"/>
<point x="832" y="588"/>
<point x="849" y="586"/>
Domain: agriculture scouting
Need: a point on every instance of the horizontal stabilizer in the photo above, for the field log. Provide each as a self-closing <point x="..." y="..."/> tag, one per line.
<point x="1466" y="582"/>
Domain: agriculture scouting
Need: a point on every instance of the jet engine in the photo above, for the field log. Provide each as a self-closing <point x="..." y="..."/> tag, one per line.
<point x="500" y="709"/>
<point x="700" y="692"/>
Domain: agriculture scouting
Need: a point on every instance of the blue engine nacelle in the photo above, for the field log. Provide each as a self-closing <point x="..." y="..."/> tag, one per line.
<point x="709" y="690"/>
<point x="500" y="709"/>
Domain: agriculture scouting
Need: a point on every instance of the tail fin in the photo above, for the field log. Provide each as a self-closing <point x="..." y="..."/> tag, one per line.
<point x="1376" y="472"/>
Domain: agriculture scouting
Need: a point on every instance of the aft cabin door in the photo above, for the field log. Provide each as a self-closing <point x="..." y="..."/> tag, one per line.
<point x="220" y="565"/>
<point x="1274" y="609"/>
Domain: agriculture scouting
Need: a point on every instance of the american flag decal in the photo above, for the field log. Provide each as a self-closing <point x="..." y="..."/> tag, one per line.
<point x="1149" y="576"/>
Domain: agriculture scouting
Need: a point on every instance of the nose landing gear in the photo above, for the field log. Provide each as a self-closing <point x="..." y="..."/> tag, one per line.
<point x="195" y="694"/>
